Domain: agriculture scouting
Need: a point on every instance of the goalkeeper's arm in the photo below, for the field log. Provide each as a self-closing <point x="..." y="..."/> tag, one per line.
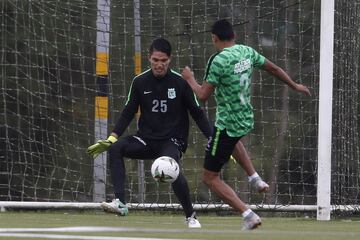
<point x="102" y="145"/>
<point x="123" y="122"/>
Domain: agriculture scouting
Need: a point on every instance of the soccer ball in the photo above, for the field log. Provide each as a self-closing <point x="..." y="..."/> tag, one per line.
<point x="165" y="169"/>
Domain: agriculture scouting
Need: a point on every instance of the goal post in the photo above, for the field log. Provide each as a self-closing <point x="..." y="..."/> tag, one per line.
<point x="101" y="98"/>
<point x="325" y="110"/>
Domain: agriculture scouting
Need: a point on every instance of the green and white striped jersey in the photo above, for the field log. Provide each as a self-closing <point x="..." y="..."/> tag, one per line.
<point x="230" y="71"/>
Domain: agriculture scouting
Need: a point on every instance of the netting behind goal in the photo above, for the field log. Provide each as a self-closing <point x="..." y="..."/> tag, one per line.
<point x="346" y="111"/>
<point x="48" y="85"/>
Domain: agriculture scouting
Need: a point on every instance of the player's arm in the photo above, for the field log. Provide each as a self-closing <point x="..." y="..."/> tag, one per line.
<point x="203" y="91"/>
<point x="123" y="122"/>
<point x="196" y="111"/>
<point x="279" y="73"/>
<point x="129" y="111"/>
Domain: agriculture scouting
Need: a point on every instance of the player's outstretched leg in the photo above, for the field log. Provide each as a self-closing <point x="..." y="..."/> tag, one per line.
<point x="228" y="195"/>
<point x="115" y="206"/>
<point x="241" y="156"/>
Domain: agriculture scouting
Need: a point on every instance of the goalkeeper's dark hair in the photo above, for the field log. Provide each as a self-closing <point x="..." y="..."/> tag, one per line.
<point x="161" y="45"/>
<point x="223" y="30"/>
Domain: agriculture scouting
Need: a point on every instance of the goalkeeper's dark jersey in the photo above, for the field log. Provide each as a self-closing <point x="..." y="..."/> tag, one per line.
<point x="164" y="105"/>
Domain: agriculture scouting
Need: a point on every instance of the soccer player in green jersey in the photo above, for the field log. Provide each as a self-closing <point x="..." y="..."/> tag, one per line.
<point x="228" y="75"/>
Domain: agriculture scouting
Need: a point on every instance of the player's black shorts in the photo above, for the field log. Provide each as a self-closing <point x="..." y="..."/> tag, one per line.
<point x="219" y="150"/>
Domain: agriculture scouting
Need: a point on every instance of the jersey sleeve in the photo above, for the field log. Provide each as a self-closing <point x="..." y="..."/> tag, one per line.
<point x="214" y="70"/>
<point x="258" y="59"/>
<point x="196" y="111"/>
<point x="127" y="114"/>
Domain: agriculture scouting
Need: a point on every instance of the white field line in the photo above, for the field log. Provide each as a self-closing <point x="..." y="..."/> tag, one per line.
<point x="155" y="230"/>
<point x="58" y="236"/>
<point x="71" y="229"/>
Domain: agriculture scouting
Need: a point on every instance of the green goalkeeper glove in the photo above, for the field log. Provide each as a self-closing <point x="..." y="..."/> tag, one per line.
<point x="101" y="146"/>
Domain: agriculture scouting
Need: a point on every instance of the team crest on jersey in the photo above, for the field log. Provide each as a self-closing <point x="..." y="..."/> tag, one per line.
<point x="171" y="93"/>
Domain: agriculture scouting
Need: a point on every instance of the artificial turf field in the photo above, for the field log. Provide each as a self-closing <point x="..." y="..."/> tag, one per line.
<point x="141" y="225"/>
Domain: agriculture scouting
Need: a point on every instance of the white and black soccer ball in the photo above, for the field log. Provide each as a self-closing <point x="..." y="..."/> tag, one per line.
<point x="165" y="169"/>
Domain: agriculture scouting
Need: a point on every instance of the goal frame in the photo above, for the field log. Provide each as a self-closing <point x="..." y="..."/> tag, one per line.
<point x="4" y="205"/>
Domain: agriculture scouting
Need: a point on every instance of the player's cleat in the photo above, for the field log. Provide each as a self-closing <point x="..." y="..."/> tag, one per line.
<point x="259" y="185"/>
<point x="192" y="222"/>
<point x="251" y="221"/>
<point x="116" y="206"/>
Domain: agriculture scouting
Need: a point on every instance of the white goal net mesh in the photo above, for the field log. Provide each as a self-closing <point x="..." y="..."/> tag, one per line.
<point x="48" y="86"/>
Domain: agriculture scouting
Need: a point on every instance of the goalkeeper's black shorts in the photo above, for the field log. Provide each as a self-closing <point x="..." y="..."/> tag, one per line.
<point x="140" y="148"/>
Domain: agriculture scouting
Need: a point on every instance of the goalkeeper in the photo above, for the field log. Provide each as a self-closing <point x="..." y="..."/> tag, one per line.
<point x="228" y="74"/>
<point x="165" y="101"/>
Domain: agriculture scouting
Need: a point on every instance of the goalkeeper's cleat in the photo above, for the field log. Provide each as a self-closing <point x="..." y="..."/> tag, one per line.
<point x="259" y="185"/>
<point x="192" y="222"/>
<point x="251" y="221"/>
<point x="116" y="206"/>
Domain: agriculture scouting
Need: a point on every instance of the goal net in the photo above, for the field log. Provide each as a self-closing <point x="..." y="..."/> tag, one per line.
<point x="49" y="83"/>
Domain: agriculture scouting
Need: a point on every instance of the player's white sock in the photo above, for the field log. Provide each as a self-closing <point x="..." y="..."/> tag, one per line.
<point x="255" y="175"/>
<point x="247" y="212"/>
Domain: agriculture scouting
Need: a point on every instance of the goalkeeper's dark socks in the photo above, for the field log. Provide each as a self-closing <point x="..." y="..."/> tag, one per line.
<point x="182" y="192"/>
<point x="120" y="196"/>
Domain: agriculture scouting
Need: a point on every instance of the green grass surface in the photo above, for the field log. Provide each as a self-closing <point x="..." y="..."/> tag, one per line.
<point x="152" y="224"/>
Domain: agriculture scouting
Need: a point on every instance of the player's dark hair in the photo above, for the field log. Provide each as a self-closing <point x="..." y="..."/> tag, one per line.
<point x="161" y="45"/>
<point x="223" y="30"/>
